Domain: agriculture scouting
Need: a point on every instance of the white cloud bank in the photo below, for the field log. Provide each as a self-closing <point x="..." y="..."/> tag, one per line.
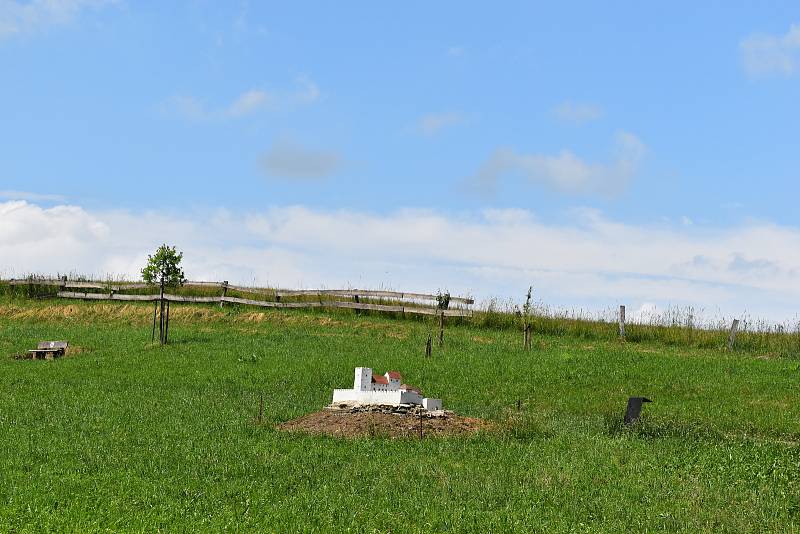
<point x="593" y="263"/>
<point x="766" y="54"/>
<point x="17" y="18"/>
<point x="566" y="172"/>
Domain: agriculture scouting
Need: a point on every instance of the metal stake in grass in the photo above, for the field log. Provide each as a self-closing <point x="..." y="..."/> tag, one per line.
<point x="634" y="409"/>
<point x="441" y="328"/>
<point x="428" y="346"/>
<point x="260" y="416"/>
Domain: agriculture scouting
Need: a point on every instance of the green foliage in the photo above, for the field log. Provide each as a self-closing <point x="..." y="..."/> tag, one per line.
<point x="442" y="300"/>
<point x="164" y="437"/>
<point x="163" y="267"/>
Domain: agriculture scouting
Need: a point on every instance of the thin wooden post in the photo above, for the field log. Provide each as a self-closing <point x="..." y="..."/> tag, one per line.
<point x="622" y="322"/>
<point x="428" y="347"/>
<point x="441" y="328"/>
<point x="161" y="315"/>
<point x="526" y="336"/>
<point x="355" y="299"/>
<point x="166" y="327"/>
<point x="155" y="312"/>
<point x="732" y="334"/>
<point x="64" y="283"/>
<point x="224" y="292"/>
<point x="260" y="409"/>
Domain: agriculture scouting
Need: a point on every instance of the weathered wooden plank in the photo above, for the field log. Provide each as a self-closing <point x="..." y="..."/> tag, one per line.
<point x="365" y="293"/>
<point x="121" y="296"/>
<point x="267" y="304"/>
<point x="420" y="311"/>
<point x="364" y="306"/>
<point x="123" y="287"/>
<point x="348" y="293"/>
<point x="181" y="298"/>
<point x="200" y="283"/>
<point x="82" y="285"/>
<point x="47" y="282"/>
<point x="425" y="296"/>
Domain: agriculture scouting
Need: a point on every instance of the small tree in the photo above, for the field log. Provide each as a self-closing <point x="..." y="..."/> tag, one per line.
<point x="163" y="268"/>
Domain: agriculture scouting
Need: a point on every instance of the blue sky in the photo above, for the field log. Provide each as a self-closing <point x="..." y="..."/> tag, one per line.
<point x="669" y="127"/>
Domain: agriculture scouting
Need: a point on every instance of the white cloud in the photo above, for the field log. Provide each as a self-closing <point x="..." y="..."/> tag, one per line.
<point x="17" y="18"/>
<point x="766" y="54"/>
<point x="433" y="123"/>
<point x="566" y="172"/>
<point x="286" y="159"/>
<point x="247" y="103"/>
<point x="27" y="195"/>
<point x="577" y="112"/>
<point x="593" y="263"/>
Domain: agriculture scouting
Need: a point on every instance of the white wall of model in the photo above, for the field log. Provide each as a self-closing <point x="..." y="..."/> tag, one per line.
<point x="387" y="389"/>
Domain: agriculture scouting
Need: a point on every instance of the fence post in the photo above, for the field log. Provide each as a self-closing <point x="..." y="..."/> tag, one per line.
<point x="155" y="312"/>
<point x="166" y="327"/>
<point x="161" y="315"/>
<point x="224" y="292"/>
<point x="441" y="328"/>
<point x="622" y="322"/>
<point x="428" y="347"/>
<point x="732" y="334"/>
<point x="527" y="336"/>
<point x="63" y="283"/>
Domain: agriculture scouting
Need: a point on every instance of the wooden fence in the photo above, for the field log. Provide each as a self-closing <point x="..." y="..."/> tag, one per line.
<point x="326" y="298"/>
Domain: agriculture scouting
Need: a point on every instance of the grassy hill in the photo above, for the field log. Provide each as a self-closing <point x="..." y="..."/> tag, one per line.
<point x="126" y="435"/>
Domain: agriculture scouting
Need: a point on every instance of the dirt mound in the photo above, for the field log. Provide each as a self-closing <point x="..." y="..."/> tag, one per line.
<point x="385" y="423"/>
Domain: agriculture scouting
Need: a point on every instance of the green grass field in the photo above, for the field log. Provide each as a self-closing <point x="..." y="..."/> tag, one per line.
<point x="126" y="435"/>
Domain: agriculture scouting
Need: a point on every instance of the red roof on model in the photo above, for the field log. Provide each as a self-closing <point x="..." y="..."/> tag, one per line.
<point x="378" y="379"/>
<point x="394" y="375"/>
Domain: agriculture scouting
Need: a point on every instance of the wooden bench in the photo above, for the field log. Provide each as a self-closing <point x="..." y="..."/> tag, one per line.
<point x="49" y="350"/>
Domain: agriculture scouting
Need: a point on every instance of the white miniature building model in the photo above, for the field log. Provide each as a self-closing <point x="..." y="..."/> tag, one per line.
<point x="388" y="389"/>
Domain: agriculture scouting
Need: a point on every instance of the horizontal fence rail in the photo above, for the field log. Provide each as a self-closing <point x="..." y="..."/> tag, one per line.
<point x="347" y="293"/>
<point x="266" y="304"/>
